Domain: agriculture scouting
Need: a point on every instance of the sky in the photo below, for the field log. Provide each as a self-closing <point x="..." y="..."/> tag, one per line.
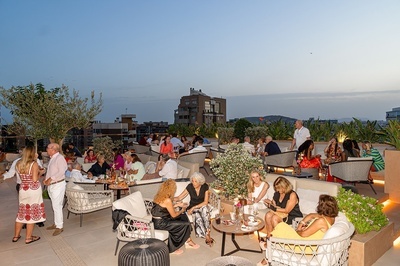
<point x="302" y="59"/>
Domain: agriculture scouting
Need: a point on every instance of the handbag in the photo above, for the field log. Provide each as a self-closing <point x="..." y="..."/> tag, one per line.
<point x="45" y="193"/>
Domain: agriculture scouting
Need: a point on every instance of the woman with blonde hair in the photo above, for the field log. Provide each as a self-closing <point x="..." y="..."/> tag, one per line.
<point x="257" y="189"/>
<point x="31" y="207"/>
<point x="166" y="217"/>
<point x="284" y="206"/>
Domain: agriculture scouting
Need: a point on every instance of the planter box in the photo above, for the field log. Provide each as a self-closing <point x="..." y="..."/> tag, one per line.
<point x="392" y="175"/>
<point x="367" y="248"/>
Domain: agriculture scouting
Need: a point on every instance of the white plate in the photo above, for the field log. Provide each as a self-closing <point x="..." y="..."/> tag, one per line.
<point x="246" y="228"/>
<point x="254" y="223"/>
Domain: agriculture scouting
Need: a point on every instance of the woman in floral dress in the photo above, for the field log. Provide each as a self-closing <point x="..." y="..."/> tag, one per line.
<point x="31" y="207"/>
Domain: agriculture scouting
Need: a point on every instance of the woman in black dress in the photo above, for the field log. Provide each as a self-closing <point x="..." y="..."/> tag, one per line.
<point x="165" y="217"/>
<point x="198" y="206"/>
<point x="284" y="206"/>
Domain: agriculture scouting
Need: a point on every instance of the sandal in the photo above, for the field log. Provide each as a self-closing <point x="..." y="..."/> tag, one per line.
<point x="32" y="239"/>
<point x="209" y="240"/>
<point x="16" y="238"/>
<point x="263" y="262"/>
<point x="263" y="245"/>
<point x="191" y="244"/>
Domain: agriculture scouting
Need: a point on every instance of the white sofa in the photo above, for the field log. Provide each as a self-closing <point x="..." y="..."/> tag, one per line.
<point x="331" y="250"/>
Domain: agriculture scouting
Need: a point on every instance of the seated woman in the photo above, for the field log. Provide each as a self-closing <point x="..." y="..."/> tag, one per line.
<point x="136" y="171"/>
<point x="348" y="150"/>
<point x="284" y="207"/>
<point x="257" y="191"/>
<point x="308" y="160"/>
<point x="90" y="157"/>
<point x="99" y="168"/>
<point x="165" y="217"/>
<point x="118" y="162"/>
<point x="198" y="206"/>
<point x="333" y="152"/>
<point x="166" y="147"/>
<point x="313" y="226"/>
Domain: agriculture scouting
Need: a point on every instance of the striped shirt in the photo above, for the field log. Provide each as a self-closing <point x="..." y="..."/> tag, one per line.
<point x="378" y="163"/>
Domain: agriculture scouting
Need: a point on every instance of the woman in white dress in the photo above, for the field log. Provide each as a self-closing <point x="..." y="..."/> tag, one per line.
<point x="257" y="191"/>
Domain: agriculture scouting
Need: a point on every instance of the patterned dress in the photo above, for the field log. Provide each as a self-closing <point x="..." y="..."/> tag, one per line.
<point x="31" y="207"/>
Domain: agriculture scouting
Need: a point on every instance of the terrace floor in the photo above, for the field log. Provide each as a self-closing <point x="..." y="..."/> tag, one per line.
<point x="94" y="242"/>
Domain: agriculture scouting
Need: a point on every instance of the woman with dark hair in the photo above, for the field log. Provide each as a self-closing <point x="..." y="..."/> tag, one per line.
<point x="90" y="157"/>
<point x="356" y="148"/>
<point x="118" y="160"/>
<point x="166" y="147"/>
<point x="348" y="150"/>
<point x="307" y="159"/>
<point x="136" y="171"/>
<point x="313" y="226"/>
<point x="333" y="152"/>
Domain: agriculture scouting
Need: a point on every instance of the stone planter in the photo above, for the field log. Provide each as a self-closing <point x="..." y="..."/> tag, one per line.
<point x="392" y="174"/>
<point x="367" y="248"/>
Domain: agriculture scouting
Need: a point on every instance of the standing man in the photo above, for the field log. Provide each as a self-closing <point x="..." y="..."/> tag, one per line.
<point x="55" y="182"/>
<point x="177" y="143"/>
<point x="301" y="134"/>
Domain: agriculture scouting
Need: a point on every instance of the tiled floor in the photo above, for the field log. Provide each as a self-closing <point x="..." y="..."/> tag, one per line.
<point x="94" y="242"/>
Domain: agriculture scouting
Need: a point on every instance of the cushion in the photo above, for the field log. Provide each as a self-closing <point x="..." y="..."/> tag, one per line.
<point x="133" y="204"/>
<point x="183" y="172"/>
<point x="150" y="167"/>
<point x="308" y="200"/>
<point x="340" y="227"/>
<point x="270" y="191"/>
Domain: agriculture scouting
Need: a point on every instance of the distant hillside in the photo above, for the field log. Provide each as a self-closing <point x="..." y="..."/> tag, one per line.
<point x="267" y="119"/>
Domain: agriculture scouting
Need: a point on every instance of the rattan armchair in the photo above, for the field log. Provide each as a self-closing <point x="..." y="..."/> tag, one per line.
<point x="352" y="171"/>
<point x="282" y="160"/>
<point x="81" y="201"/>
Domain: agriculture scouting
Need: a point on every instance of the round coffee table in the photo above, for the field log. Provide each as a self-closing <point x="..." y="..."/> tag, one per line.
<point x="234" y="230"/>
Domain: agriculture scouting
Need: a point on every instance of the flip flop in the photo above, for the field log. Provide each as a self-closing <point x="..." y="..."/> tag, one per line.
<point x="32" y="239"/>
<point x="16" y="238"/>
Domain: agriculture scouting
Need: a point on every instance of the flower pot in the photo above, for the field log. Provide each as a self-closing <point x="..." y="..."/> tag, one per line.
<point x="365" y="249"/>
<point x="392" y="170"/>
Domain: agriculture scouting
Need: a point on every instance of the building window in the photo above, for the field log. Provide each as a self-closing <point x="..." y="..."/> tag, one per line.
<point x="187" y="102"/>
<point x="194" y="101"/>
<point x="216" y="108"/>
<point x="207" y="107"/>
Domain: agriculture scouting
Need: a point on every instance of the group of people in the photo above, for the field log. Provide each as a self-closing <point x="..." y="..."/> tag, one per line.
<point x="171" y="143"/>
<point x="29" y="169"/>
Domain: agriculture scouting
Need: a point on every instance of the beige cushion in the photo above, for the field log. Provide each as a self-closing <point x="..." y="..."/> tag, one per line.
<point x="133" y="204"/>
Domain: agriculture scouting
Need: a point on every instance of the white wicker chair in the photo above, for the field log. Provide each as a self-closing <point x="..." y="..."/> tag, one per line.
<point x="195" y="157"/>
<point x="283" y="160"/>
<point x="82" y="201"/>
<point x="325" y="252"/>
<point x="138" y="223"/>
<point x="352" y="171"/>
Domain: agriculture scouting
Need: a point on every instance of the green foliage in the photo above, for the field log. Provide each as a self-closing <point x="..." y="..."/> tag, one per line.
<point x="49" y="113"/>
<point x="225" y="134"/>
<point x="360" y="131"/>
<point x="105" y="145"/>
<point x="363" y="212"/>
<point x="321" y="131"/>
<point x="391" y="133"/>
<point x="232" y="170"/>
<point x="256" y="132"/>
<point x="240" y="128"/>
<point x="280" y="130"/>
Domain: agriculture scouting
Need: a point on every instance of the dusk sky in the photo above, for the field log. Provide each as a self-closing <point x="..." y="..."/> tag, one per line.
<point x="326" y="59"/>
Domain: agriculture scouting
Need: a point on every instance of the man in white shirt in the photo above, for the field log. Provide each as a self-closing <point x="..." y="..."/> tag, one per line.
<point x="199" y="148"/>
<point x="301" y="134"/>
<point x="55" y="182"/>
<point x="76" y="174"/>
<point x="248" y="146"/>
<point x="167" y="168"/>
<point x="177" y="143"/>
<point x="150" y="139"/>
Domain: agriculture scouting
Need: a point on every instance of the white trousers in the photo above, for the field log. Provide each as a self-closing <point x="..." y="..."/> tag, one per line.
<point x="56" y="193"/>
